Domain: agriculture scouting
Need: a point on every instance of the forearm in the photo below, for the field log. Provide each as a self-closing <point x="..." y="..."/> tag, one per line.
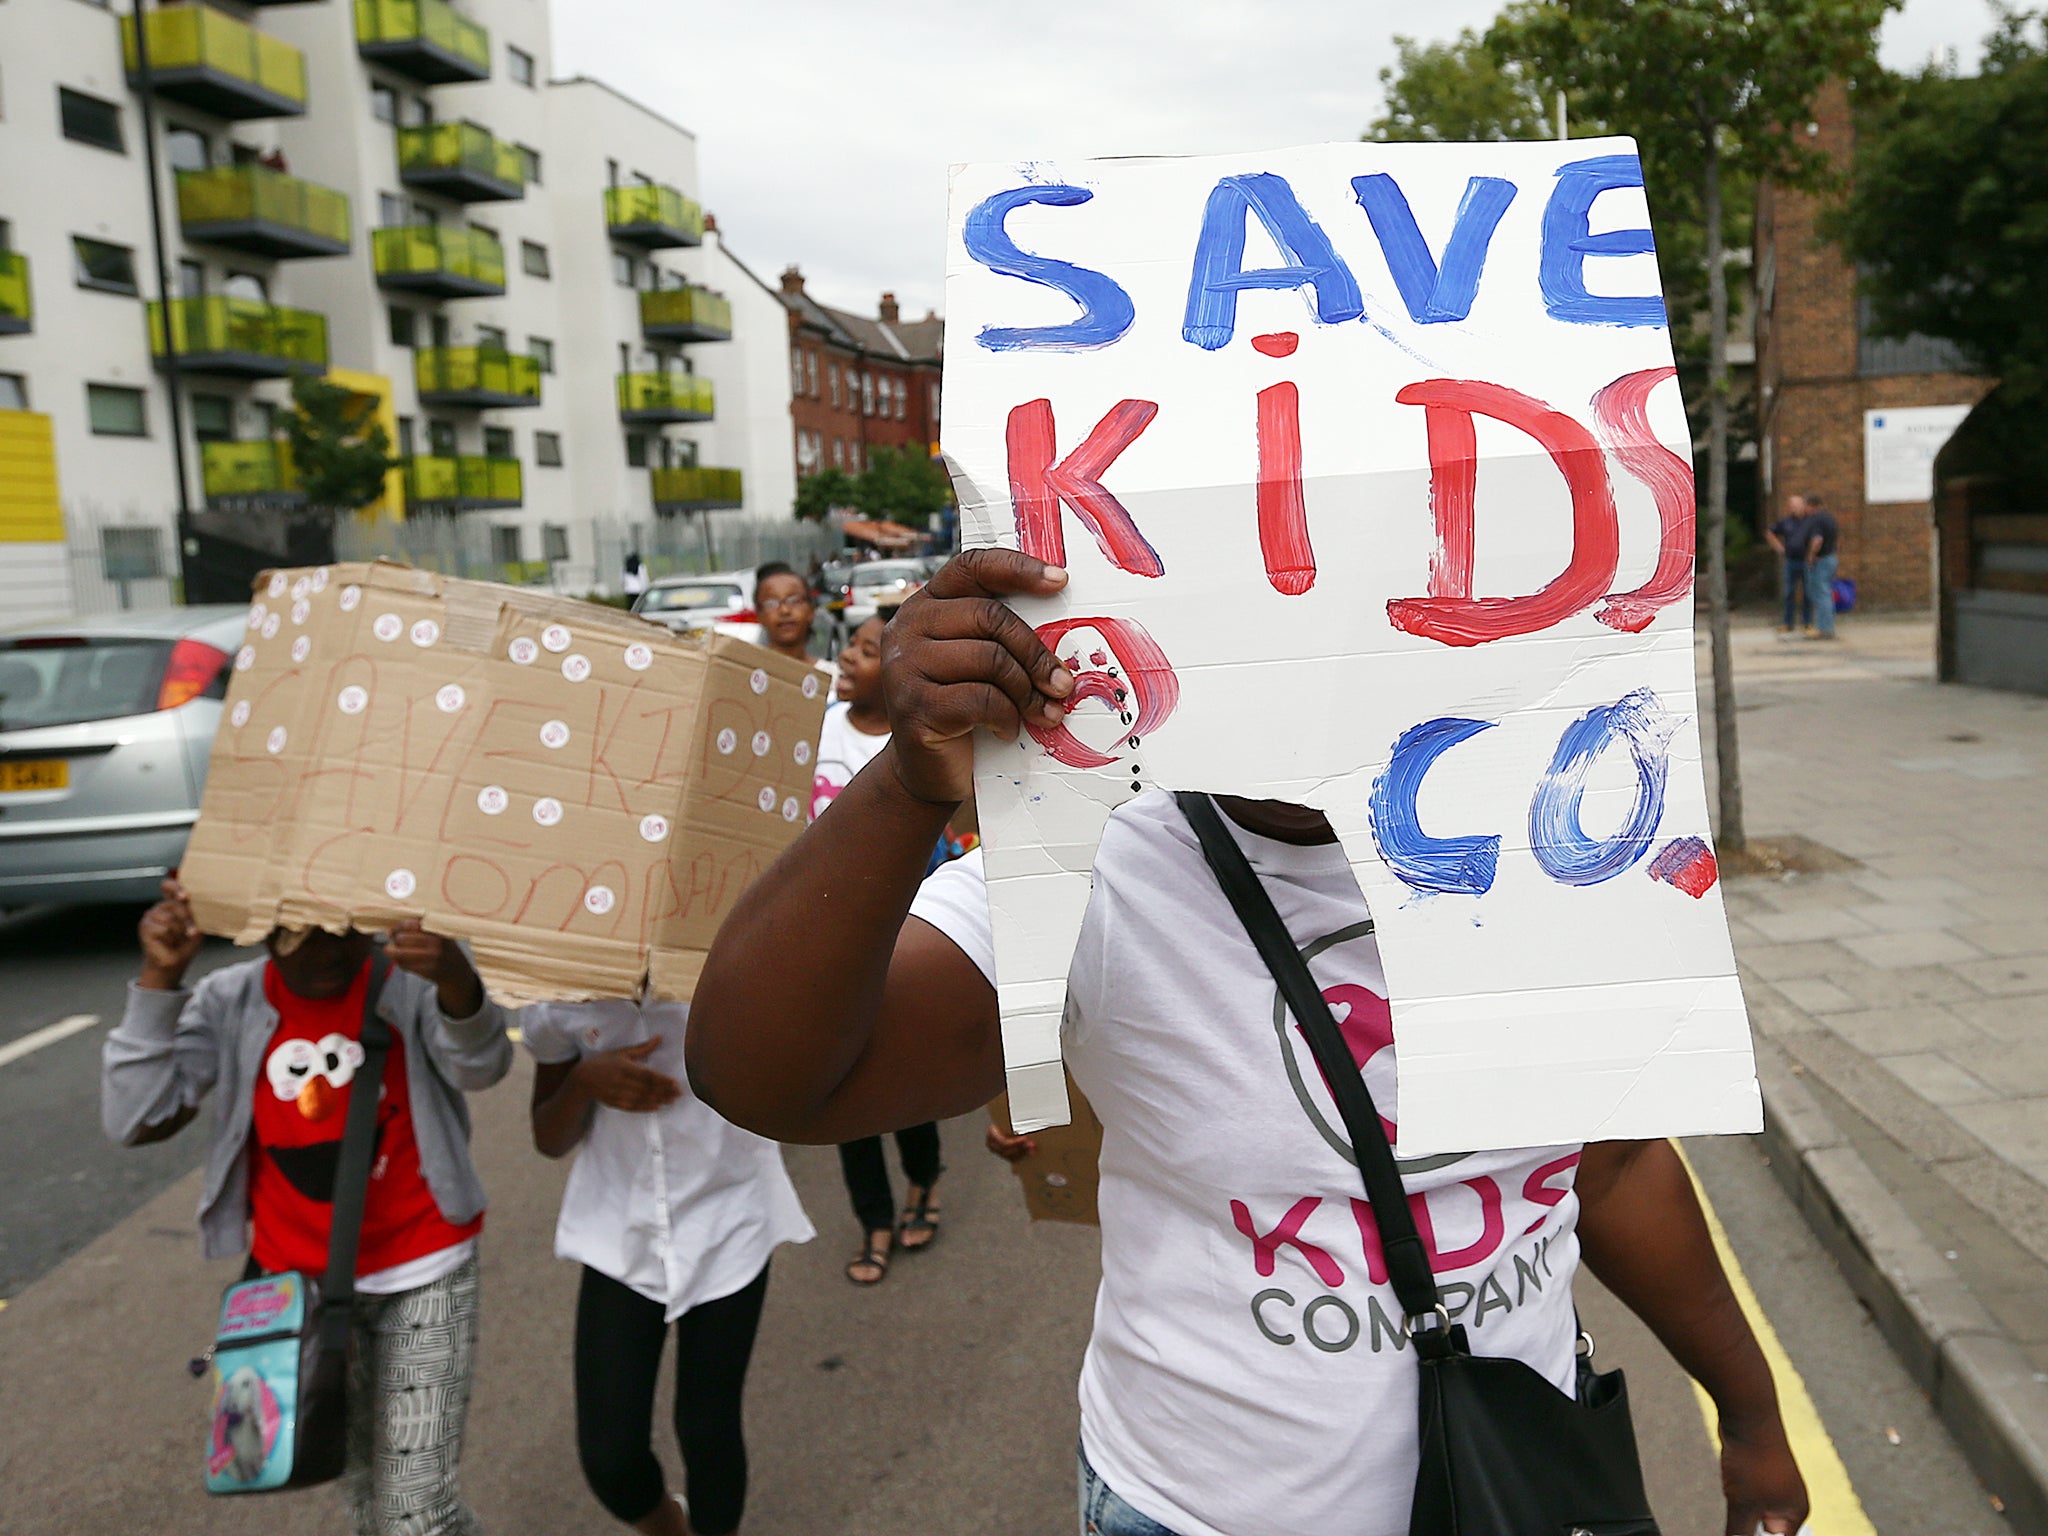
<point x="1643" y="1234"/>
<point x="794" y="983"/>
<point x="561" y="1118"/>
<point x="147" y="1090"/>
<point x="461" y="996"/>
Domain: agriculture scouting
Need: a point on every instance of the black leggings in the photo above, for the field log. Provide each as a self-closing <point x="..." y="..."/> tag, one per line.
<point x="867" y="1176"/>
<point x="618" y="1351"/>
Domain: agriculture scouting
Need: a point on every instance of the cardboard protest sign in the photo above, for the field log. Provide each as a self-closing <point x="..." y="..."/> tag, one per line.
<point x="1373" y="480"/>
<point x="1061" y="1175"/>
<point x="580" y="794"/>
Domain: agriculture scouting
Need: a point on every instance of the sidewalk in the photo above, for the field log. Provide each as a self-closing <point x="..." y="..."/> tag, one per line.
<point x="1900" y="1002"/>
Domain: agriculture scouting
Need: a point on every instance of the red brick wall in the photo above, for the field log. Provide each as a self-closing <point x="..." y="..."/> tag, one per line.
<point x="848" y="423"/>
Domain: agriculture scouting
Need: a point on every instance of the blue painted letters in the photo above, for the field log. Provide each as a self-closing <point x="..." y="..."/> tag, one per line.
<point x="1461" y="865"/>
<point x="1568" y="240"/>
<point x="1106" y="310"/>
<point x="1557" y="839"/>
<point x="1433" y="293"/>
<point x="1219" y="274"/>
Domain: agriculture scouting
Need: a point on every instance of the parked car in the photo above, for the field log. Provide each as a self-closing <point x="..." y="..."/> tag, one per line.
<point x="106" y="726"/>
<point x="878" y="581"/>
<point x="722" y="602"/>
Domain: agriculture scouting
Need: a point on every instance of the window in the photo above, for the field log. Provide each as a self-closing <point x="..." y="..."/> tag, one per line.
<point x="115" y="412"/>
<point x="405" y="329"/>
<point x="191" y="279"/>
<point x="405" y="437"/>
<point x="520" y="63"/>
<point x="89" y="120"/>
<point x="533" y="259"/>
<point x="490" y="338"/>
<point x="390" y="210"/>
<point x="622" y="269"/>
<point x="902" y="398"/>
<point x="505" y="544"/>
<point x="796" y="370"/>
<point x="103" y="267"/>
<point x="383" y="103"/>
<point x="186" y="149"/>
<point x="547" y="449"/>
<point x="542" y="351"/>
<point x="13" y="392"/>
<point x="935" y="405"/>
<point x="832" y="377"/>
<point x="415" y="112"/>
<point x="441" y="439"/>
<point x="636" y="449"/>
<point x="811" y="368"/>
<point x="611" y="173"/>
<point x="213" y="418"/>
<point x="498" y="443"/>
<point x="625" y="357"/>
<point x="867" y="394"/>
<point x="554" y="542"/>
<point x="530" y="158"/>
<point x="247" y="285"/>
<point x="839" y="453"/>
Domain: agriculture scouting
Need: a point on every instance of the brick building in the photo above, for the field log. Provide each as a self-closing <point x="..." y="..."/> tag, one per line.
<point x="1825" y="385"/>
<point x="858" y="384"/>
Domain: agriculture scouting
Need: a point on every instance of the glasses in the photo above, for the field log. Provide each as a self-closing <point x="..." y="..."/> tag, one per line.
<point x="778" y="604"/>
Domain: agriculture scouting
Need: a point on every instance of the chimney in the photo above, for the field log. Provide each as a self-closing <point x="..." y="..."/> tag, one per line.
<point x="930" y="315"/>
<point x="792" y="279"/>
<point x="711" y="221"/>
<point x="889" y="309"/>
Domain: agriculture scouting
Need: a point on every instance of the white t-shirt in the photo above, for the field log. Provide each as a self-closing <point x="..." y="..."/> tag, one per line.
<point x="843" y="750"/>
<point x="681" y="1204"/>
<point x="1248" y="1375"/>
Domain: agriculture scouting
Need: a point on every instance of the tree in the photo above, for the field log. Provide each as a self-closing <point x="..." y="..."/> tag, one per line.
<point x="340" y="449"/>
<point x="1947" y="214"/>
<point x="819" y="494"/>
<point x="901" y="485"/>
<point x="1711" y="90"/>
<point x="1462" y="91"/>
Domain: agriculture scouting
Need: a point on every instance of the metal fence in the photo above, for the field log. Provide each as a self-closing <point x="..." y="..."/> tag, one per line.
<point x="119" y="559"/>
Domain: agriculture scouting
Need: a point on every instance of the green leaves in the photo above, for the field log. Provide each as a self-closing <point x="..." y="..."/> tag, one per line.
<point x="900" y="485"/>
<point x="340" y="449"/>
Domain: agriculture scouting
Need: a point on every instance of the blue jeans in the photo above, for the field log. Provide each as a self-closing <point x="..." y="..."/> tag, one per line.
<point x="1820" y="591"/>
<point x="1104" y="1514"/>
<point x="1796" y="607"/>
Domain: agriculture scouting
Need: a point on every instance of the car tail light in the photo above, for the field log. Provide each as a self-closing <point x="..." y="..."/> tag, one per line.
<point x="742" y="616"/>
<point x="190" y="672"/>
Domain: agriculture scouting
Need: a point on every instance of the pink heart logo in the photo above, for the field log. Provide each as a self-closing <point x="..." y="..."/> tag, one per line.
<point x="1366" y="1022"/>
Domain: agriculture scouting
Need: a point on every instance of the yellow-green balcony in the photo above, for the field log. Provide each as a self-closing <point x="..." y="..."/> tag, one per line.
<point x="664" y="397"/>
<point x="450" y="263"/>
<point x="17" y="310"/>
<point x="476" y="377"/>
<point x="207" y="60"/>
<point x="423" y="39"/>
<point x="264" y="212"/>
<point x="244" y="337"/>
<point x="696" y="488"/>
<point x="461" y="160"/>
<point x="652" y="217"/>
<point x="467" y="483"/>
<point x="685" y="314"/>
<point x="248" y="472"/>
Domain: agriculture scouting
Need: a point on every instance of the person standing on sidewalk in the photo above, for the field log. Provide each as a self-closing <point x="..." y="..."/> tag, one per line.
<point x="1788" y="537"/>
<point x="856" y="730"/>
<point x="1821" y="535"/>
<point x="673" y="1213"/>
<point x="277" y="1037"/>
<point x="1219" y="1396"/>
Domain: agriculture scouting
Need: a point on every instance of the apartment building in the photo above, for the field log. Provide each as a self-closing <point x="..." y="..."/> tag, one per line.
<point x="511" y="271"/>
<point x="859" y="384"/>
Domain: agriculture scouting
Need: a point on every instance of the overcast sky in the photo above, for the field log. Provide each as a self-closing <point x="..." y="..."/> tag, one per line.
<point x="824" y="128"/>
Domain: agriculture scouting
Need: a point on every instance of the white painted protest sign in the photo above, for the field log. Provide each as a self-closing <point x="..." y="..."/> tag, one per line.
<point x="1373" y="481"/>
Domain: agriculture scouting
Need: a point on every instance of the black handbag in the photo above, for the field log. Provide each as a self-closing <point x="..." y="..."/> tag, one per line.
<point x="1504" y="1453"/>
<point x="280" y="1357"/>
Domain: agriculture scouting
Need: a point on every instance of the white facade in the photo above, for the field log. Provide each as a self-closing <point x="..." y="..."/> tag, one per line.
<point x="565" y="289"/>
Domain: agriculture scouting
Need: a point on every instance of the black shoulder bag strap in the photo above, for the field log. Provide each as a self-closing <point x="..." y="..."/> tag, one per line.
<point x="1406" y="1257"/>
<point x="352" y="1175"/>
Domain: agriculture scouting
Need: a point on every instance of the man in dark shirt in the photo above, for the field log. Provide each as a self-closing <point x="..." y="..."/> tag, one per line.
<point x="1821" y="535"/>
<point x="1788" y="537"/>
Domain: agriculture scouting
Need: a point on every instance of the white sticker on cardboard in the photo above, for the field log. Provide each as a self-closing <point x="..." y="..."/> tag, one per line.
<point x="555" y="734"/>
<point x="277" y="583"/>
<point x="274" y="742"/>
<point x="547" y="810"/>
<point x="320" y="579"/>
<point x="802" y="753"/>
<point x="300" y="610"/>
<point x="762" y="743"/>
<point x="766" y="799"/>
<point x="492" y="799"/>
<point x="425" y="633"/>
<point x="352" y="700"/>
<point x="598" y="900"/>
<point x="790" y="809"/>
<point x="555" y="637"/>
<point x="399" y="884"/>
<point x="654" y="828"/>
<point x="576" y="666"/>
<point x="728" y="741"/>
<point x="389" y="626"/>
<point x="639" y="656"/>
<point x="350" y="597"/>
<point x="239" y="715"/>
<point x="256" y="613"/>
<point x="759" y="681"/>
<point x="301" y="587"/>
<point x="810" y="686"/>
<point x="302" y="647"/>
<point x="450" y="698"/>
<point x="523" y="651"/>
<point x="245" y="658"/>
<point x="271" y="622"/>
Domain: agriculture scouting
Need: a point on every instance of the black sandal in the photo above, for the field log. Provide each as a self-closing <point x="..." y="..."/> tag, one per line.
<point x="876" y="1259"/>
<point x="918" y="1216"/>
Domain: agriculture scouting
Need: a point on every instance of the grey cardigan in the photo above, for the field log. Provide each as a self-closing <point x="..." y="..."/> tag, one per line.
<point x="171" y="1048"/>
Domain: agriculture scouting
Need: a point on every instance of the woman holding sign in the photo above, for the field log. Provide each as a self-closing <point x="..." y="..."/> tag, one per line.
<point x="1249" y="1372"/>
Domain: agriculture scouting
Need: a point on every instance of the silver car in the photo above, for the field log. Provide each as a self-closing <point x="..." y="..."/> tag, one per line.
<point x="106" y="726"/>
<point x="881" y="582"/>
<point x="722" y="601"/>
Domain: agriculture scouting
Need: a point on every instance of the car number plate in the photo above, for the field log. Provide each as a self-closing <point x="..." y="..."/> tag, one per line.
<point x="24" y="775"/>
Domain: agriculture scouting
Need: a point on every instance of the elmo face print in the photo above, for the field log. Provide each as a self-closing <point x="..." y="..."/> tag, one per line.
<point x="313" y="1072"/>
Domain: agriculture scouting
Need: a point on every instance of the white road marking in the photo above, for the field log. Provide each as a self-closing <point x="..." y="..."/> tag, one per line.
<point x="49" y="1034"/>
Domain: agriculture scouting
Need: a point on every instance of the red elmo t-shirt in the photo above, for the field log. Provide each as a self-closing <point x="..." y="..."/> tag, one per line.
<point x="302" y="1101"/>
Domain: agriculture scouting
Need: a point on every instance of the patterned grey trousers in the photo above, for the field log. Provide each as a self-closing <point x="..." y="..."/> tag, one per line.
<point x="408" y="1396"/>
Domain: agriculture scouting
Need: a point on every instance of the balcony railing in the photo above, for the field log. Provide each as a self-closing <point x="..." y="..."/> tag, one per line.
<point x="465" y="483"/>
<point x="17" y="309"/>
<point x="253" y="208"/>
<point x="685" y="314"/>
<point x="475" y="376"/>
<point x="257" y="471"/>
<point x="461" y="160"/>
<point x="425" y="39"/>
<point x="658" y="397"/>
<point x="696" y="488"/>
<point x="432" y="258"/>
<point x="241" y="336"/>
<point x="653" y="216"/>
<point x="207" y="59"/>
